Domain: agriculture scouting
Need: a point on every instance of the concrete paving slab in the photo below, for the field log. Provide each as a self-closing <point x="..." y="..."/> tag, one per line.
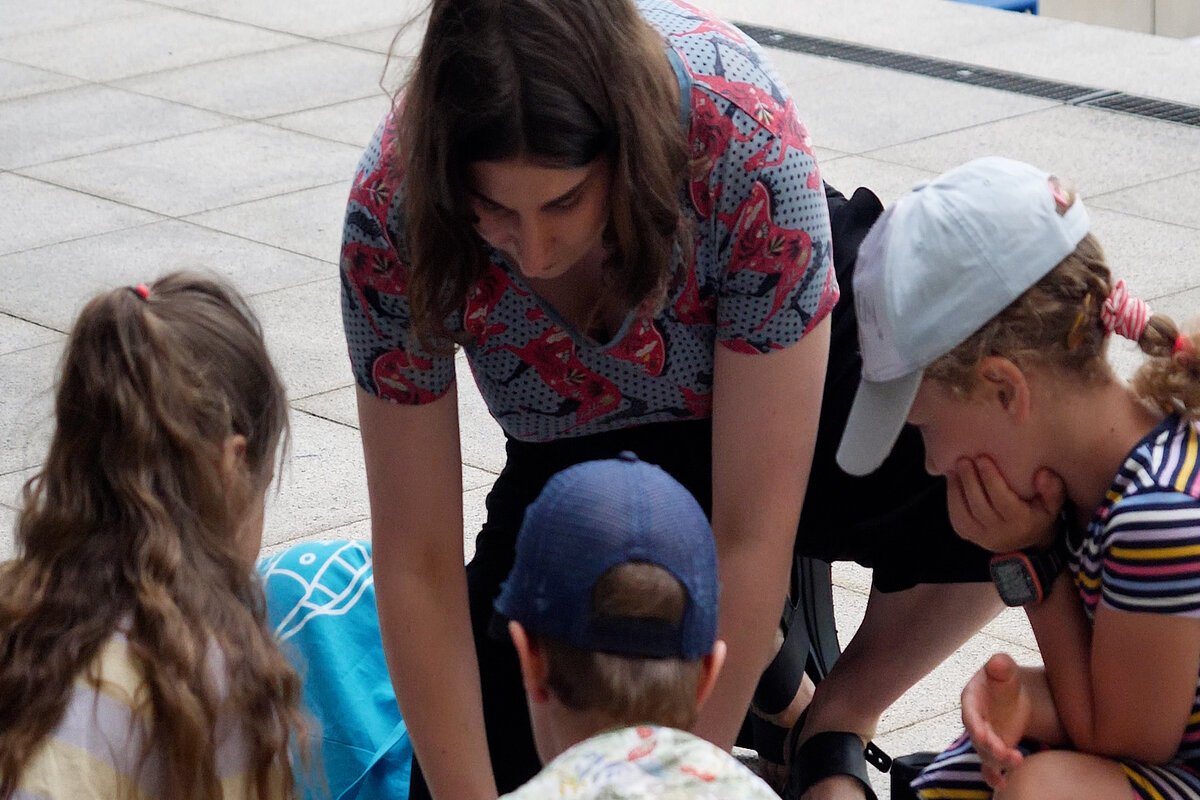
<point x="208" y="170"/>
<point x="11" y="484"/>
<point x="402" y="39"/>
<point x="888" y="181"/>
<point x="278" y="81"/>
<point x="322" y="485"/>
<point x="474" y="514"/>
<point x="1012" y="626"/>
<point x="1169" y="200"/>
<point x="836" y="119"/>
<point x="933" y="734"/>
<point x="303" y="329"/>
<point x="320" y="19"/>
<point x="34" y="213"/>
<point x="89" y="119"/>
<point x="338" y="405"/>
<point x="482" y="439"/>
<point x="1157" y="259"/>
<point x="1093" y="55"/>
<point x="353" y="123"/>
<point x="17" y="334"/>
<point x="26" y="405"/>
<point x="852" y="577"/>
<point x="1097" y="151"/>
<point x="154" y="40"/>
<point x="23" y="19"/>
<point x="940" y="691"/>
<point x="308" y="221"/>
<point x="924" y="27"/>
<point x="19" y="80"/>
<point x="49" y="285"/>
<point x="8" y="521"/>
<point x="355" y="531"/>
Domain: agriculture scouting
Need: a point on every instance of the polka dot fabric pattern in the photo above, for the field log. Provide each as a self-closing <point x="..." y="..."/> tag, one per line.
<point x="759" y="278"/>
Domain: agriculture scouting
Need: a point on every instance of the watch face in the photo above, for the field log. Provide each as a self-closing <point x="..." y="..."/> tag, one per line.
<point x="1014" y="579"/>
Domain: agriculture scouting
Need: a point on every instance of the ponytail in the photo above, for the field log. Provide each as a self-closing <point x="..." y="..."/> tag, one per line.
<point x="129" y="526"/>
<point x="1170" y="378"/>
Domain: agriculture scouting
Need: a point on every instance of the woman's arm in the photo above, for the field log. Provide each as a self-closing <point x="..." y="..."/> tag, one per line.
<point x="414" y="478"/>
<point x="1123" y="686"/>
<point x="765" y="412"/>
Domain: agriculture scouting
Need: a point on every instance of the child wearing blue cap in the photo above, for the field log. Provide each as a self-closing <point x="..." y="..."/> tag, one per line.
<point x="985" y="308"/>
<point x="612" y="607"/>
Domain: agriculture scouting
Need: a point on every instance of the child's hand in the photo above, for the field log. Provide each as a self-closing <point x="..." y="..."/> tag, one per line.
<point x="996" y="710"/>
<point x="985" y="510"/>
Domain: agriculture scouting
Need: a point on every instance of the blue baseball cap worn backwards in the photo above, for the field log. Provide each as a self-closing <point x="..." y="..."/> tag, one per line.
<point x="598" y="515"/>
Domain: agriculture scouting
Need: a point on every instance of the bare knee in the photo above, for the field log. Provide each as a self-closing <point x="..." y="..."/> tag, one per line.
<point x="1064" y="775"/>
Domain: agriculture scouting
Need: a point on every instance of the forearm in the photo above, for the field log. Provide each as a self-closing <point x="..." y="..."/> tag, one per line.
<point x="1063" y="635"/>
<point x="1044" y="723"/>
<point x="753" y="585"/>
<point x="425" y="625"/>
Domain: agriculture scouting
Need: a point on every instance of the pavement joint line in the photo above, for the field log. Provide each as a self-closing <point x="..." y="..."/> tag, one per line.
<point x="316" y="415"/>
<point x="211" y="61"/>
<point x="69" y="27"/>
<point x="955" y="712"/>
<point x="161" y="218"/>
<point x="17" y="316"/>
<point x="40" y="69"/>
<point x="268" y="118"/>
<point x="1096" y="203"/>
<point x="981" y="124"/>
<point x="245" y="238"/>
<point x="163" y="214"/>
<point x="310" y="37"/>
<point x="231" y="122"/>
<point x="271" y="117"/>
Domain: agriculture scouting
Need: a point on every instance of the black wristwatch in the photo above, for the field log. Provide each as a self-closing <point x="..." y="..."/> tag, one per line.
<point x="1024" y="577"/>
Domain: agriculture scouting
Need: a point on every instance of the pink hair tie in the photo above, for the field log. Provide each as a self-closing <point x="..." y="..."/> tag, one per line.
<point x="142" y="291"/>
<point x="1183" y="344"/>
<point x="1124" y="314"/>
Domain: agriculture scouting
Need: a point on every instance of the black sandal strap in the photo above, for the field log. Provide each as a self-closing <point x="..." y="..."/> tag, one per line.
<point x="781" y="679"/>
<point x="830" y="753"/>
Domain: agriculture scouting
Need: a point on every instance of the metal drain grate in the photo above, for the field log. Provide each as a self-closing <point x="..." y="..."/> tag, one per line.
<point x="975" y="75"/>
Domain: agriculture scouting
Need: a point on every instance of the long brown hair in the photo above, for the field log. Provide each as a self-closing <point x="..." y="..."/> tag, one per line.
<point x="1057" y="324"/>
<point x="129" y="527"/>
<point x="562" y="83"/>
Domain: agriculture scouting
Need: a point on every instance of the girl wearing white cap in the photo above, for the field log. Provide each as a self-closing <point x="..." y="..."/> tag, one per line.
<point x="985" y="308"/>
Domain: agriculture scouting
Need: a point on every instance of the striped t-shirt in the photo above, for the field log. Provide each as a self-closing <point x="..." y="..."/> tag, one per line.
<point x="1142" y="549"/>
<point x="95" y="753"/>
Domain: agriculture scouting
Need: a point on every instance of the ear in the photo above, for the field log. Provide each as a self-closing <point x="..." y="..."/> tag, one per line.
<point x="1004" y="383"/>
<point x="233" y="458"/>
<point x="710" y="668"/>
<point x="535" y="671"/>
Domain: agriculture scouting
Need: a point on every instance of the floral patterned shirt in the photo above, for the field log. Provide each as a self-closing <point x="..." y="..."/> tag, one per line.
<point x="645" y="762"/>
<point x="760" y="275"/>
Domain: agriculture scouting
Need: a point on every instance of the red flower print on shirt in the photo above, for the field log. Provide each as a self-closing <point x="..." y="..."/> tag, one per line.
<point x="781" y="255"/>
<point x="552" y="355"/>
<point x="643" y="345"/>
<point x="388" y="372"/>
<point x="482" y="298"/>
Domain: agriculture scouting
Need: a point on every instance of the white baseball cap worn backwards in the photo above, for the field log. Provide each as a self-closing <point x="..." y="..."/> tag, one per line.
<point x="936" y="266"/>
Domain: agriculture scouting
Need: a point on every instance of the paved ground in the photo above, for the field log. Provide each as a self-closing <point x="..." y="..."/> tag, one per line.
<point x="140" y="136"/>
